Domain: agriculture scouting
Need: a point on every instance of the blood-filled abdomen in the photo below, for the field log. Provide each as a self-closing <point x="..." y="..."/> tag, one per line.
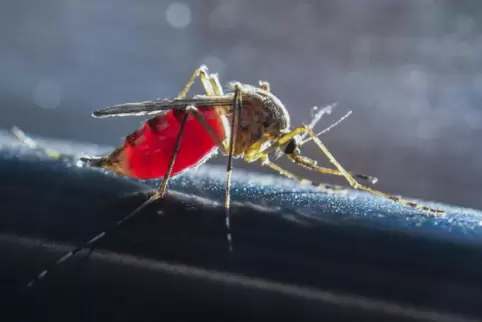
<point x="147" y="152"/>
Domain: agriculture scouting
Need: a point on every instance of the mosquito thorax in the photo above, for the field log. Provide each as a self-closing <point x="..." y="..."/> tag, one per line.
<point x="262" y="121"/>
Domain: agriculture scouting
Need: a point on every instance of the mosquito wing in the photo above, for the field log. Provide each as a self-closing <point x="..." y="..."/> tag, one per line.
<point x="159" y="106"/>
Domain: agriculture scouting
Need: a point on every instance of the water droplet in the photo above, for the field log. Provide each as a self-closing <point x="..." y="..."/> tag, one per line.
<point x="178" y="15"/>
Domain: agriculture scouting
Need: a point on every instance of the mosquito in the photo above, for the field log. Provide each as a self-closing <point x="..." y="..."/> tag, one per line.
<point x="249" y="122"/>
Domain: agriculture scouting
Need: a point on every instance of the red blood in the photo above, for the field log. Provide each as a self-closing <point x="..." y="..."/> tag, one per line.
<point x="148" y="150"/>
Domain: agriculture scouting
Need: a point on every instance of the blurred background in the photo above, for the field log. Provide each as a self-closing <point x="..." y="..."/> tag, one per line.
<point x="410" y="71"/>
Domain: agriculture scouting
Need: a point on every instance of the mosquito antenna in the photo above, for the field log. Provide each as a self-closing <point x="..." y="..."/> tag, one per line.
<point x="99" y="237"/>
<point x="318" y="115"/>
<point x="328" y="128"/>
<point x="234" y="130"/>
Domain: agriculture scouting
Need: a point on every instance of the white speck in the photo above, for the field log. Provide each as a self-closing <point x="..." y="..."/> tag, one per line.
<point x="178" y="15"/>
<point x="47" y="94"/>
<point x="214" y="63"/>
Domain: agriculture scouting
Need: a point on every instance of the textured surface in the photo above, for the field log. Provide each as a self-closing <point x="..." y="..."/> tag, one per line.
<point x="298" y="253"/>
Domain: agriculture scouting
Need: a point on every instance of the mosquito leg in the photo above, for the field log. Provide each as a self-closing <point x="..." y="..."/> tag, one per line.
<point x="201" y="72"/>
<point x="237" y="106"/>
<point x="162" y="188"/>
<point x="302" y="160"/>
<point x="312" y="165"/>
<point x="308" y="163"/>
<point x="217" y="89"/>
<point x="96" y="239"/>
<point x="201" y="119"/>
<point x="216" y="85"/>
<point x="266" y="162"/>
<point x="227" y="151"/>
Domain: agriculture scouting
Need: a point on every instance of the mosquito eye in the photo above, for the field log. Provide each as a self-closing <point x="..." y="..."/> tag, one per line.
<point x="291" y="147"/>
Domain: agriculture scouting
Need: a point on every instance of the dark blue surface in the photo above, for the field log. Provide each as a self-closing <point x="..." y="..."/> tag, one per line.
<point x="299" y="254"/>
